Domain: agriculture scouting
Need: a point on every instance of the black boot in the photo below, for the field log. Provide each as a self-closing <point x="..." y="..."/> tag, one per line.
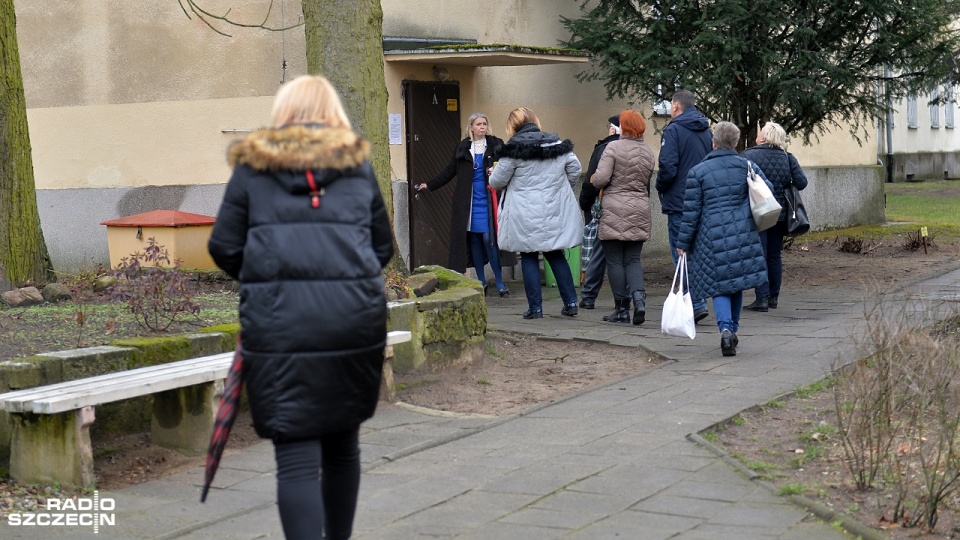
<point x="622" y="313"/>
<point x="728" y="343"/>
<point x="761" y="304"/>
<point x="639" y="306"/>
<point x="772" y="302"/>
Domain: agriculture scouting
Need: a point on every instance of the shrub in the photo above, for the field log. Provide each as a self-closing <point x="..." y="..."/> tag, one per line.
<point x="898" y="412"/>
<point x="156" y="296"/>
<point x="81" y="287"/>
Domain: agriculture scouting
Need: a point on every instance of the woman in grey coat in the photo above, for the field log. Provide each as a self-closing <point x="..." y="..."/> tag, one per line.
<point x="538" y="211"/>
<point x="718" y="232"/>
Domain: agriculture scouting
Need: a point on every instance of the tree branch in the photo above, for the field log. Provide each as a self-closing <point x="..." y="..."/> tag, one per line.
<point x="206" y="17"/>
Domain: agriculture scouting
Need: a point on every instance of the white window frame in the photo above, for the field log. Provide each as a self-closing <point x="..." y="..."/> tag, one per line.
<point x="912" y="112"/>
<point x="934" y="109"/>
<point x="948" y="121"/>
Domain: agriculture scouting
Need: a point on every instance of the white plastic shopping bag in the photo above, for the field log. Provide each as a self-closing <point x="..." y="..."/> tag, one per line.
<point x="677" y="317"/>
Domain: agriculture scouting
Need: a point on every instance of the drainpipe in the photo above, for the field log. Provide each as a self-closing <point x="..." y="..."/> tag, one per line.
<point x="889" y="126"/>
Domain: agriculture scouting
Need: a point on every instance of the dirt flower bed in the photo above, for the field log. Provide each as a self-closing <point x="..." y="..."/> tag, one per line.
<point x="92" y="318"/>
<point x="517" y="372"/>
<point x="797" y="443"/>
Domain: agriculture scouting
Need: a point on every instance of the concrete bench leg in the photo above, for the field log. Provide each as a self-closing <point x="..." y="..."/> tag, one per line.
<point x="49" y="448"/>
<point x="388" y="391"/>
<point x="183" y="418"/>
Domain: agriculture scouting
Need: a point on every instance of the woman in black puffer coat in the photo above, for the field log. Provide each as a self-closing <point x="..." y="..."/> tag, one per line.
<point x="782" y="169"/>
<point x="304" y="229"/>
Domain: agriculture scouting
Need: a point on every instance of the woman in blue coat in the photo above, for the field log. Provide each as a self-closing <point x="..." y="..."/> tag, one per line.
<point x="718" y="233"/>
<point x="304" y="229"/>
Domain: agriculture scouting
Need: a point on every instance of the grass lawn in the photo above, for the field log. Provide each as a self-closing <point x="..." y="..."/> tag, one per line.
<point x="911" y="205"/>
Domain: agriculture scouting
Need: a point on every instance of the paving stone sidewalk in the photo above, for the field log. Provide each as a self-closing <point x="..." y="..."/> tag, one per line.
<point x="612" y="462"/>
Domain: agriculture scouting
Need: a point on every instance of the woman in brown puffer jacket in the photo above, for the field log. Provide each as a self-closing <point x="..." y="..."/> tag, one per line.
<point x="624" y="176"/>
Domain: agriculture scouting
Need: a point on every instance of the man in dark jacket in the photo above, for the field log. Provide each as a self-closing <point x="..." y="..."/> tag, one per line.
<point x="597" y="265"/>
<point x="685" y="142"/>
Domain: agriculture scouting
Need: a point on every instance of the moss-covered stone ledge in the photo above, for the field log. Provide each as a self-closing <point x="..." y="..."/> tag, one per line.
<point x="448" y="325"/>
<point x="122" y="417"/>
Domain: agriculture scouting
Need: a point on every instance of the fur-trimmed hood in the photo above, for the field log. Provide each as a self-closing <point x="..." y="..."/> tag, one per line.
<point x="300" y="147"/>
<point x="532" y="144"/>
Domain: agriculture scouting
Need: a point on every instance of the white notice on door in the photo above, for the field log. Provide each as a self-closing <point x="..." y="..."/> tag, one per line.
<point x="395" y="129"/>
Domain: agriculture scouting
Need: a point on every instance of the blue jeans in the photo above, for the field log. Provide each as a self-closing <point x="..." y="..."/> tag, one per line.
<point x="312" y="503"/>
<point x="772" y="242"/>
<point x="727" y="310"/>
<point x="673" y="231"/>
<point x="484" y="246"/>
<point x="530" y="266"/>
<point x="593" y="276"/>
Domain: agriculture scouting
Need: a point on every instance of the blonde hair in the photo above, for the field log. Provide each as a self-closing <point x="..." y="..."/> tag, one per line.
<point x="309" y="99"/>
<point x="774" y="134"/>
<point x="519" y="117"/>
<point x="473" y="118"/>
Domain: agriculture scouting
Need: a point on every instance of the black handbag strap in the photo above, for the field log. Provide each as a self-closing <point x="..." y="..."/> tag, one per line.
<point x="786" y="156"/>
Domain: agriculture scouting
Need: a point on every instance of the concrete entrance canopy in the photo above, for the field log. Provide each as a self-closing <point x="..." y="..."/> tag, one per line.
<point x="477" y="55"/>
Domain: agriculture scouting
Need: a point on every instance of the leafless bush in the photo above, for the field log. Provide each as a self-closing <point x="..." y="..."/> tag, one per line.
<point x="864" y="399"/>
<point x="930" y="418"/>
<point x="916" y="242"/>
<point x="851" y="244"/>
<point x="156" y="296"/>
<point x="898" y="410"/>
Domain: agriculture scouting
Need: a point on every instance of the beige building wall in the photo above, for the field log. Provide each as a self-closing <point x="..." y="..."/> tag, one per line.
<point x="131" y="105"/>
<point x="136" y="94"/>
<point x="837" y="148"/>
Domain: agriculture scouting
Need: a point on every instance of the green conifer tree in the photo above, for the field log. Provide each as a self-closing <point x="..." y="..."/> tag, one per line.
<point x="811" y="66"/>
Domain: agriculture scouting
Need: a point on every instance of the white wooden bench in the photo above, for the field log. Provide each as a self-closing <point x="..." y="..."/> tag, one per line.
<point x="51" y="424"/>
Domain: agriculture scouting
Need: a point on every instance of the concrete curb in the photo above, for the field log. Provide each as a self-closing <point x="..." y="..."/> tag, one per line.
<point x="828" y="515"/>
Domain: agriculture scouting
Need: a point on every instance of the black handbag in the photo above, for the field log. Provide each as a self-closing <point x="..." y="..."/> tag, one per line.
<point x="797" y="221"/>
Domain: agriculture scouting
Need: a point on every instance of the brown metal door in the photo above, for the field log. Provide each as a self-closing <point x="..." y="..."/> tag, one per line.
<point x="433" y="131"/>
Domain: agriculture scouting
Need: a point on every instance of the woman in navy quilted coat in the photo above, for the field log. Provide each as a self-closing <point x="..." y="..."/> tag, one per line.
<point x="782" y="169"/>
<point x="304" y="229"/>
<point x="718" y="233"/>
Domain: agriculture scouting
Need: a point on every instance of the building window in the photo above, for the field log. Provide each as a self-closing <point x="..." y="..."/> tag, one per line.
<point x="948" y="108"/>
<point x="934" y="109"/>
<point x="912" y="112"/>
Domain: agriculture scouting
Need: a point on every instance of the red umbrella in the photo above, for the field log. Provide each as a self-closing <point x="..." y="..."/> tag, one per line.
<point x="226" y="415"/>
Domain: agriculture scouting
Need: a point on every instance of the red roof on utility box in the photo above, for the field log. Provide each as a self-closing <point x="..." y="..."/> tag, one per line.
<point x="161" y="218"/>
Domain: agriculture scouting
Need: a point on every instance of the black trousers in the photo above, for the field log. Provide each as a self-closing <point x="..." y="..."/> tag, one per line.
<point x="318" y="482"/>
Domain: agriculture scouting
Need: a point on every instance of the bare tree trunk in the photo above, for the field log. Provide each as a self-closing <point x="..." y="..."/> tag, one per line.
<point x="23" y="252"/>
<point x="345" y="45"/>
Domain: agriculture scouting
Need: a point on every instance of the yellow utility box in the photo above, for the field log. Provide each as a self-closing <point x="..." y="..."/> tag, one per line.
<point x="183" y="234"/>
